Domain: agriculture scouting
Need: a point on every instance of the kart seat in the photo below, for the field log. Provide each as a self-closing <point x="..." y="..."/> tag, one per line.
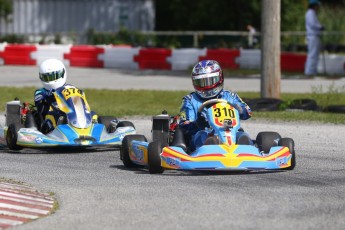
<point x="30" y="121"/>
<point x="243" y="139"/>
<point x="212" y="141"/>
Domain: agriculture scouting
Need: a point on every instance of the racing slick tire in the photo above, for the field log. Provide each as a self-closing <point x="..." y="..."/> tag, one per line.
<point x="12" y="137"/>
<point x="154" y="158"/>
<point x="288" y="142"/>
<point x="106" y="121"/>
<point x="266" y="140"/>
<point x="124" y="150"/>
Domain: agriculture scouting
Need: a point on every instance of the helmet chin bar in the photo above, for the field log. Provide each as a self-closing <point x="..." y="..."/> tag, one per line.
<point x="54" y="84"/>
<point x="207" y="94"/>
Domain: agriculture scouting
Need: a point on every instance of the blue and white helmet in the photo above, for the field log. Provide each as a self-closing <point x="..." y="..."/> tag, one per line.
<point x="207" y="78"/>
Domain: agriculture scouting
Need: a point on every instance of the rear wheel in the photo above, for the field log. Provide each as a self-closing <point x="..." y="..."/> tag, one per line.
<point x="266" y="140"/>
<point x="125" y="148"/>
<point x="12" y="137"/>
<point x="288" y="142"/>
<point x="154" y="158"/>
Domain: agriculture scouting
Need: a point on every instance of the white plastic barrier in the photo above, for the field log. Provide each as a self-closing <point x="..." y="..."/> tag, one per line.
<point x="184" y="59"/>
<point x="119" y="57"/>
<point x="331" y="64"/>
<point x="2" y="48"/>
<point x="249" y="59"/>
<point x="51" y="51"/>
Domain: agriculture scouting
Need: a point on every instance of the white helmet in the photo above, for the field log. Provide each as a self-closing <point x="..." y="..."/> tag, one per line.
<point x="52" y="74"/>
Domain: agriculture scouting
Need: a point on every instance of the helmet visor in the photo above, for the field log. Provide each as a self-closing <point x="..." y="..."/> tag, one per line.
<point x="52" y="76"/>
<point x="206" y="81"/>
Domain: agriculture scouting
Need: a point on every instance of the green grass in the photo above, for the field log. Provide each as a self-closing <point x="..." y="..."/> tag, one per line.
<point x="122" y="103"/>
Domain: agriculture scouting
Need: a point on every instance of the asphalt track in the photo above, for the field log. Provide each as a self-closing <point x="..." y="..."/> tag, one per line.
<point x="95" y="191"/>
<point x="158" y="80"/>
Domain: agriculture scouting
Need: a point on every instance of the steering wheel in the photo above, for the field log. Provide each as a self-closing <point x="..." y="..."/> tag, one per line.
<point x="209" y="103"/>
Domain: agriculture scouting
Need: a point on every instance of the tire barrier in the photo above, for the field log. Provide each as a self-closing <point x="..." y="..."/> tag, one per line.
<point x="301" y="104"/>
<point x="127" y="57"/>
<point x="335" y="109"/>
<point x="304" y="104"/>
<point x="264" y="104"/>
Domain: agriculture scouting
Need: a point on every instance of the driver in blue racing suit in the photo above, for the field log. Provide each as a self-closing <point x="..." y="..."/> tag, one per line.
<point x="208" y="80"/>
<point x="52" y="73"/>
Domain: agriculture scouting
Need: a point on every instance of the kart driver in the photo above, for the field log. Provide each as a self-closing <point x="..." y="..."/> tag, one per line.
<point x="52" y="73"/>
<point x="208" y="80"/>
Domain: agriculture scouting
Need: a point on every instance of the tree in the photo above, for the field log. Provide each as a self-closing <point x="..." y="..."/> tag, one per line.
<point x="270" y="49"/>
<point x="206" y="15"/>
<point x="5" y="9"/>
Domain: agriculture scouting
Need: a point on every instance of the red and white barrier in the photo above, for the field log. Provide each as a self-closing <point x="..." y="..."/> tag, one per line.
<point x="18" y="54"/>
<point x="119" y="57"/>
<point x="127" y="57"/>
<point x="45" y="52"/>
<point x="225" y="57"/>
<point x="331" y="64"/>
<point x="153" y="58"/>
<point x="182" y="59"/>
<point x="2" y="48"/>
<point x="249" y="59"/>
<point x="85" y="56"/>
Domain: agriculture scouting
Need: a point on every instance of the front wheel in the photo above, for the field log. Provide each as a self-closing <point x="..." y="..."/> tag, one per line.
<point x="12" y="137"/>
<point x="154" y="158"/>
<point x="288" y="142"/>
<point x="266" y="140"/>
<point x="126" y="146"/>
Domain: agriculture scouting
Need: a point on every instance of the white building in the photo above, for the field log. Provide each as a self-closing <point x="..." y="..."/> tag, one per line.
<point x="48" y="17"/>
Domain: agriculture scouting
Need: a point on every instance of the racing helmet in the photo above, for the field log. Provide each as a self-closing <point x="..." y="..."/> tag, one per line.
<point x="52" y="73"/>
<point x="207" y="78"/>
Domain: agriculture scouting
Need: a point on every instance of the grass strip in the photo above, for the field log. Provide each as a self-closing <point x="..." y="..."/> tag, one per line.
<point x="124" y="103"/>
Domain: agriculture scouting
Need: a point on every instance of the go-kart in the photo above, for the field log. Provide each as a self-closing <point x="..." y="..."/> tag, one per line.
<point x="77" y="126"/>
<point x="224" y="149"/>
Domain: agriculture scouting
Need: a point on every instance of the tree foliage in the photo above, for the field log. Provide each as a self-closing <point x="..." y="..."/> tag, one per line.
<point x="206" y="15"/>
<point x="5" y="8"/>
<point x="231" y="15"/>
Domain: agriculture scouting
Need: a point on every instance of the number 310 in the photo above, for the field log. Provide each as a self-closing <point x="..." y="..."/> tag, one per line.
<point x="224" y="112"/>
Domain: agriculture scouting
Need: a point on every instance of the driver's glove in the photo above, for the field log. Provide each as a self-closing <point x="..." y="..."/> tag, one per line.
<point x="201" y="122"/>
<point x="239" y="108"/>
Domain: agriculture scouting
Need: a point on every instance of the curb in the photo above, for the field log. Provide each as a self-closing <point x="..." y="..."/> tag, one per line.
<point x="21" y="203"/>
